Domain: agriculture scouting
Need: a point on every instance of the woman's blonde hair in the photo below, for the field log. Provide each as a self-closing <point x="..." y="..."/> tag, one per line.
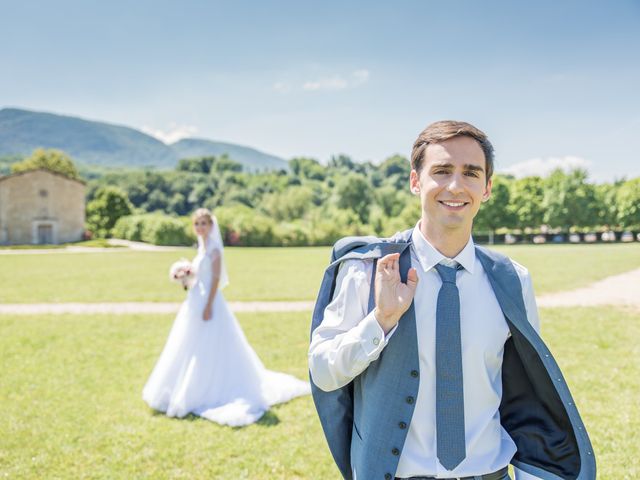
<point x="203" y="212"/>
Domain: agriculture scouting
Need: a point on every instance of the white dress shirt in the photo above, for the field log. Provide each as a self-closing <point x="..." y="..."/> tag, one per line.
<point x="349" y="339"/>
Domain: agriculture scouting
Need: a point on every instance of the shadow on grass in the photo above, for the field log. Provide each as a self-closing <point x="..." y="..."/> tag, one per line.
<point x="269" y="419"/>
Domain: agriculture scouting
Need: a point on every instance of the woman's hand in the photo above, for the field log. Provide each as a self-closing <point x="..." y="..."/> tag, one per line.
<point x="208" y="311"/>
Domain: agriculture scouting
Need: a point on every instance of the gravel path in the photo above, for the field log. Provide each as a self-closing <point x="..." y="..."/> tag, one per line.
<point x="618" y="290"/>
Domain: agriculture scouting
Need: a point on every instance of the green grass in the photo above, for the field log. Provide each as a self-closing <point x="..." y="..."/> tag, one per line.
<point x="597" y="349"/>
<point x="142" y="276"/>
<point x="71" y="407"/>
<point x="121" y="276"/>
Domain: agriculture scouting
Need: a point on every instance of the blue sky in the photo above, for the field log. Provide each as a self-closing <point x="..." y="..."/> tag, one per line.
<point x="550" y="82"/>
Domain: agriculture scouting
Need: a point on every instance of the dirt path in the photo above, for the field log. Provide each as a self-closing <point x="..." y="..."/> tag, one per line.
<point x="126" y="245"/>
<point x="618" y="290"/>
<point x="622" y="289"/>
<point x="142" y="307"/>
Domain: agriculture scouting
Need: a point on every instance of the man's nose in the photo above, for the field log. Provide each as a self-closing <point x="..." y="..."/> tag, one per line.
<point x="455" y="184"/>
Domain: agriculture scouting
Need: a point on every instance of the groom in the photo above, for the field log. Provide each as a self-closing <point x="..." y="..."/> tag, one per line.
<point x="425" y="357"/>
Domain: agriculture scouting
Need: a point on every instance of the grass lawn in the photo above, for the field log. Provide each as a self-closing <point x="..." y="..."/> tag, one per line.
<point x="71" y="407"/>
<point x="70" y="399"/>
<point x="142" y="276"/>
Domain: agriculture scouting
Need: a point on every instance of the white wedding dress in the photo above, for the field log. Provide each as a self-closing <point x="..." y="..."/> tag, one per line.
<point x="207" y="367"/>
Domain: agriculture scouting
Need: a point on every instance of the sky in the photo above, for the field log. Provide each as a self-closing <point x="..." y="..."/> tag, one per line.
<point x="552" y="83"/>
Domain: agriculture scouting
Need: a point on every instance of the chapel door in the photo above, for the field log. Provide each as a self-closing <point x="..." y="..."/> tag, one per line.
<point x="45" y="234"/>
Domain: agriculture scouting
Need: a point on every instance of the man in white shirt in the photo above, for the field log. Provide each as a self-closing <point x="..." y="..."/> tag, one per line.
<point x="452" y="165"/>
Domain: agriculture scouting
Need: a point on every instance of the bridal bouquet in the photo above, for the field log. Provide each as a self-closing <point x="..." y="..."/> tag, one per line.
<point x="183" y="273"/>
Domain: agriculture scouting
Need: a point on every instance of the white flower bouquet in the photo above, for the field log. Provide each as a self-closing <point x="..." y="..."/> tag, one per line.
<point x="182" y="272"/>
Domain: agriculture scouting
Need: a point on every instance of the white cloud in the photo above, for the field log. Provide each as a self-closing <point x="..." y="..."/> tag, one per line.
<point x="359" y="77"/>
<point x="281" y="87"/>
<point x="544" y="166"/>
<point x="338" y="82"/>
<point x="174" y="133"/>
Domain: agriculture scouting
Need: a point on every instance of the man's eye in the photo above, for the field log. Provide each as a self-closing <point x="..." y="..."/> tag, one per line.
<point x="471" y="173"/>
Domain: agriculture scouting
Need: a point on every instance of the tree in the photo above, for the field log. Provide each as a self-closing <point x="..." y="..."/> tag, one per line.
<point x="109" y="204"/>
<point x="307" y="168"/>
<point x="345" y="164"/>
<point x="51" y="159"/>
<point x="290" y="204"/>
<point x="225" y="164"/>
<point x="569" y="200"/>
<point x="495" y="213"/>
<point x="354" y="193"/>
<point x="396" y="165"/>
<point x="607" y="202"/>
<point x="526" y="202"/>
<point x="628" y="200"/>
<point x="391" y="200"/>
<point x="196" y="165"/>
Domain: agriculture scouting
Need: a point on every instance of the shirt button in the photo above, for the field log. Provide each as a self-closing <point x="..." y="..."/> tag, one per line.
<point x="395" y="451"/>
<point x="402" y="425"/>
<point x="409" y="400"/>
<point x="376" y="341"/>
<point x="387" y="476"/>
<point x="414" y="373"/>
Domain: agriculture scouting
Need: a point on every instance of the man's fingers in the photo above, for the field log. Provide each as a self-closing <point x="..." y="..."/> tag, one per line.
<point x="412" y="279"/>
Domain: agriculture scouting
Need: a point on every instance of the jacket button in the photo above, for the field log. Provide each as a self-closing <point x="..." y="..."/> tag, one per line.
<point x="402" y="425"/>
<point x="414" y="373"/>
<point x="387" y="476"/>
<point x="410" y="400"/>
<point x="395" y="451"/>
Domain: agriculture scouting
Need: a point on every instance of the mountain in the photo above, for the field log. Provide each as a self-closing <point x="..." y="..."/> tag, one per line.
<point x="99" y="143"/>
<point x="250" y="158"/>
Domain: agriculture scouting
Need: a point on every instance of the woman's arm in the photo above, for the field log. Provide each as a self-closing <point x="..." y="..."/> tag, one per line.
<point x="216" y="267"/>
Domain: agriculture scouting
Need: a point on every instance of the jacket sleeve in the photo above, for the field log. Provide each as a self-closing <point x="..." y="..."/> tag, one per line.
<point x="349" y="338"/>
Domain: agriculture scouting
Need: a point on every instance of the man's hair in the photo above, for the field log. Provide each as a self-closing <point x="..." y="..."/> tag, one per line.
<point x="444" y="130"/>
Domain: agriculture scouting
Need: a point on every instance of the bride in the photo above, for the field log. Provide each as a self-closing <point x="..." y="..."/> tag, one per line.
<point x="207" y="366"/>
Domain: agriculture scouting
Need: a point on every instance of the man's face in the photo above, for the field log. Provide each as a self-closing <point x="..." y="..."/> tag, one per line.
<point x="452" y="183"/>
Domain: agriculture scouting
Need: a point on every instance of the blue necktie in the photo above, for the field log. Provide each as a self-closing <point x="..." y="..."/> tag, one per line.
<point x="449" y="391"/>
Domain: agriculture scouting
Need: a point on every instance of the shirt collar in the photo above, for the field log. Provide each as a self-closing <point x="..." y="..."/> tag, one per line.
<point x="428" y="256"/>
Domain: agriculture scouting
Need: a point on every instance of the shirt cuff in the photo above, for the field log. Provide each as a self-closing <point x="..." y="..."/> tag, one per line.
<point x="372" y="337"/>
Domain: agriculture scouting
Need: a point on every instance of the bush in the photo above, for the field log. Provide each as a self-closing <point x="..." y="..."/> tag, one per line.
<point x="156" y="229"/>
<point x="291" y="234"/>
<point x="241" y="225"/>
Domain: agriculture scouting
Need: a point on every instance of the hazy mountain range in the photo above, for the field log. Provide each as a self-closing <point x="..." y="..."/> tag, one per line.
<point x="99" y="143"/>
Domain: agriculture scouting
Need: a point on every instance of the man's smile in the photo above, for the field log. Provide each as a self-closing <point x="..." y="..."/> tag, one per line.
<point x="455" y="205"/>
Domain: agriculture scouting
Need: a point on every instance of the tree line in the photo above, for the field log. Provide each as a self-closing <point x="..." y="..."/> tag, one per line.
<point x="314" y="204"/>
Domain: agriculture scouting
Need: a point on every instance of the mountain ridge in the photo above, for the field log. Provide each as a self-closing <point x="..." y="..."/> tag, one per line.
<point x="112" y="145"/>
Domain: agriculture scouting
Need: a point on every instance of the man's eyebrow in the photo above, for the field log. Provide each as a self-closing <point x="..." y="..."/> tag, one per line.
<point x="475" y="168"/>
<point x="442" y="165"/>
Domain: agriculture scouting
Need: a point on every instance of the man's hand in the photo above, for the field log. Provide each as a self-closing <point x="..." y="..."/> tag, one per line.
<point x="206" y="315"/>
<point x="393" y="297"/>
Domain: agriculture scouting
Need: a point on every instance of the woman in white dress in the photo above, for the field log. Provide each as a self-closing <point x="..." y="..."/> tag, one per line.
<point x="207" y="366"/>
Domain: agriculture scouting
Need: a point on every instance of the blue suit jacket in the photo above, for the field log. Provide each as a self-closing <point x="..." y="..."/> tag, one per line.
<point x="363" y="421"/>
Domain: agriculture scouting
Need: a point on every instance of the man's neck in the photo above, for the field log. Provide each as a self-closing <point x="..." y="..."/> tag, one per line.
<point x="449" y="242"/>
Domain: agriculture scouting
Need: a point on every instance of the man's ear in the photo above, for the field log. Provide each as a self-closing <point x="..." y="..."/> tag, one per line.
<point x="414" y="182"/>
<point x="487" y="191"/>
